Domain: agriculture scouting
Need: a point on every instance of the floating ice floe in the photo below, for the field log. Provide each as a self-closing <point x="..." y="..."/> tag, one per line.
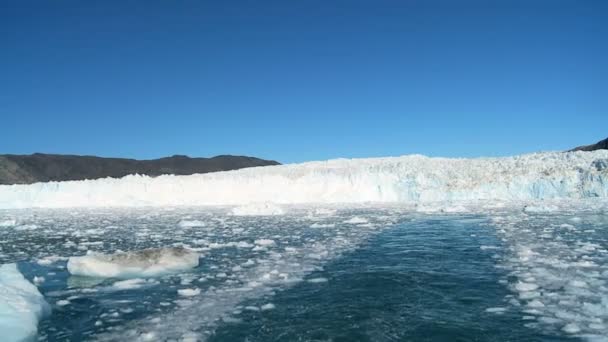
<point x="131" y="284"/>
<point x="547" y="208"/>
<point x="356" y="220"/>
<point x="144" y="263"/>
<point x="191" y="223"/>
<point x="264" y="242"/>
<point x="258" y="209"/>
<point x="8" y="223"/>
<point x="407" y="179"/>
<point x="188" y="292"/>
<point x="21" y="306"/>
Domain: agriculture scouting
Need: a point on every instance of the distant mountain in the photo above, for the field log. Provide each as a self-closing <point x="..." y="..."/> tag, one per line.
<point x="601" y="145"/>
<point x="38" y="167"/>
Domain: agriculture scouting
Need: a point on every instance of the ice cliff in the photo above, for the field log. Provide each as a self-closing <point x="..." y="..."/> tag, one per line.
<point x="412" y="178"/>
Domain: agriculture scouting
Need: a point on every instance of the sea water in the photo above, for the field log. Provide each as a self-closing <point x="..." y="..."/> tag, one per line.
<point x="321" y="274"/>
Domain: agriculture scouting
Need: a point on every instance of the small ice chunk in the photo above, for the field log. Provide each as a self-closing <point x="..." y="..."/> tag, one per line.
<point x="525" y="287"/>
<point x="148" y="336"/>
<point x="322" y="225"/>
<point x="24" y="227"/>
<point x="188" y="292"/>
<point x="540" y="208"/>
<point x="129" y="284"/>
<point x="536" y="304"/>
<point x="46" y="261"/>
<point x="496" y="310"/>
<point x="268" y="306"/>
<point x="264" y="242"/>
<point x="144" y="263"/>
<point x="62" y="302"/>
<point x="191" y="223"/>
<point x="317" y="280"/>
<point x="243" y="244"/>
<point x="571" y="328"/>
<point x="21" y="305"/>
<point x="356" y="220"/>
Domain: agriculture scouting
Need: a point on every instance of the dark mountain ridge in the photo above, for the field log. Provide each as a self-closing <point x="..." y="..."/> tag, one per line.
<point x="39" y="167"/>
<point x="600" y="145"/>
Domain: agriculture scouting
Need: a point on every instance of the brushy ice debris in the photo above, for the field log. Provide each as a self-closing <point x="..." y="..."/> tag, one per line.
<point x="21" y="306"/>
<point x="407" y="179"/>
<point x="540" y="208"/>
<point x="322" y="225"/>
<point x="24" y="227"/>
<point x="189" y="292"/>
<point x="560" y="274"/>
<point x="191" y="223"/>
<point x="357" y="220"/>
<point x="258" y="209"/>
<point x="496" y="310"/>
<point x="131" y="284"/>
<point x="317" y="280"/>
<point x="440" y="207"/>
<point x="46" y="261"/>
<point x="144" y="263"/>
<point x="264" y="242"/>
<point x="268" y="306"/>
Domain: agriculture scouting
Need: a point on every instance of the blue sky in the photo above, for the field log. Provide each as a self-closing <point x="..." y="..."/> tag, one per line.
<point x="302" y="80"/>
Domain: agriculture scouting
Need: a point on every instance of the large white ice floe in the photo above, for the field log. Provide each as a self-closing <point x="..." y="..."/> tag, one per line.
<point x="144" y="263"/>
<point x="413" y="179"/>
<point x="21" y="306"/>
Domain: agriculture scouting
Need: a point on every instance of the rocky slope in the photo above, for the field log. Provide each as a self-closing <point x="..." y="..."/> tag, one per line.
<point x="38" y="167"/>
<point x="601" y="145"/>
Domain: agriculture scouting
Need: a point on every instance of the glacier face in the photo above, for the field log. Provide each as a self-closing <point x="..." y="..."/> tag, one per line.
<point x="412" y="179"/>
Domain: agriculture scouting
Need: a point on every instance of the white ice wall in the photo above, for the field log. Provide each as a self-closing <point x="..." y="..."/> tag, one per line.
<point x="411" y="178"/>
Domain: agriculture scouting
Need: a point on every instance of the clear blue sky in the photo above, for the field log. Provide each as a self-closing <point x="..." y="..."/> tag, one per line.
<point x="302" y="80"/>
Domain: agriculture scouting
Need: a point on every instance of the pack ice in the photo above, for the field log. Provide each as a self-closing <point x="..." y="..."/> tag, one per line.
<point x="144" y="263"/>
<point x="412" y="178"/>
<point x="21" y="306"/>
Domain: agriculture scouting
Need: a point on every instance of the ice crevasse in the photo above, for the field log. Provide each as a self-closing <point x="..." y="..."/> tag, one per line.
<point x="413" y="178"/>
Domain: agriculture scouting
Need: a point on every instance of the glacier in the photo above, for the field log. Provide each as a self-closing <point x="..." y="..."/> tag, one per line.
<point x="21" y="306"/>
<point x="406" y="179"/>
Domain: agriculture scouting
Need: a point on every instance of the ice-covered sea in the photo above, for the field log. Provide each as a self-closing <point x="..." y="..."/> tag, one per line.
<point x="303" y="273"/>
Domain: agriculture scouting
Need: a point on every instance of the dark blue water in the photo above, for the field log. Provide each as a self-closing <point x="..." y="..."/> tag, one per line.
<point x="350" y="275"/>
<point x="426" y="280"/>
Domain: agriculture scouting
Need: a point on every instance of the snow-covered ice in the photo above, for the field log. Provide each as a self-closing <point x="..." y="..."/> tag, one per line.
<point x="413" y="178"/>
<point x="21" y="306"/>
<point x="143" y="263"/>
